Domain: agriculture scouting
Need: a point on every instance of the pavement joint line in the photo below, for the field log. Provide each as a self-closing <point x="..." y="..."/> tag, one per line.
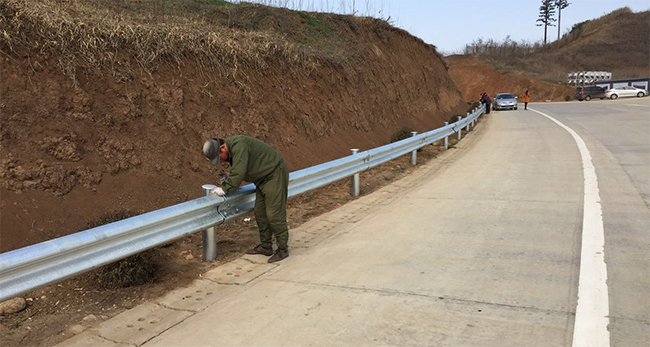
<point x="428" y="296"/>
<point x="630" y="320"/>
<point x="273" y="266"/>
<point x="493" y="200"/>
<point x="160" y="333"/>
<point x="116" y="342"/>
<point x="223" y="284"/>
<point x="250" y="261"/>
<point x="175" y="309"/>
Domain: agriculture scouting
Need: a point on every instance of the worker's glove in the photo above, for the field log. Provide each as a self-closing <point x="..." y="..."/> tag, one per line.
<point x="218" y="191"/>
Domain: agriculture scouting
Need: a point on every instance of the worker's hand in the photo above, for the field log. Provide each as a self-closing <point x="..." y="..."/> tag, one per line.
<point x="218" y="191"/>
<point x="222" y="177"/>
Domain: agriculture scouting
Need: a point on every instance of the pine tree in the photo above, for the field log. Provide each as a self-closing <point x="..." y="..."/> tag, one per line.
<point x="560" y="5"/>
<point x="546" y="15"/>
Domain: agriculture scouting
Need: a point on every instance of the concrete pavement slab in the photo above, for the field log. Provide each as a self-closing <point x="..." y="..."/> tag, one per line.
<point x="197" y="296"/>
<point x="432" y="254"/>
<point x="140" y="324"/>
<point x="87" y="339"/>
<point x="277" y="313"/>
<point x="239" y="271"/>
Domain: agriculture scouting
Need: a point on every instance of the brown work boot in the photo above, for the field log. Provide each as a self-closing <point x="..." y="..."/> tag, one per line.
<point x="279" y="255"/>
<point x="260" y="250"/>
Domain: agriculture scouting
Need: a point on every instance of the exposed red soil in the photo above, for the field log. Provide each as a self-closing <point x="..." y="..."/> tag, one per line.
<point x="72" y="152"/>
<point x="474" y="76"/>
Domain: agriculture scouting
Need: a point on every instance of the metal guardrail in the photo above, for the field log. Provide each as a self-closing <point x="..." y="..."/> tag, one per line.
<point x="34" y="266"/>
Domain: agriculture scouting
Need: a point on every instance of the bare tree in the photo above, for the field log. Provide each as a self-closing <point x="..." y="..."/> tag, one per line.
<point x="560" y="5"/>
<point x="546" y="15"/>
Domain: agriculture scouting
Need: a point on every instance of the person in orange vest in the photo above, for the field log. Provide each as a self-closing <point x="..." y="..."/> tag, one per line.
<point x="526" y="99"/>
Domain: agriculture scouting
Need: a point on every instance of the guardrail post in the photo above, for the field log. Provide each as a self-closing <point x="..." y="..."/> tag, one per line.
<point x="209" y="234"/>
<point x="467" y="128"/>
<point x="414" y="154"/>
<point x="355" y="189"/>
<point x="446" y="138"/>
<point x="461" y="129"/>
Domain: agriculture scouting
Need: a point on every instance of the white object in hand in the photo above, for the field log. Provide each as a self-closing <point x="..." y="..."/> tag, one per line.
<point x="217" y="191"/>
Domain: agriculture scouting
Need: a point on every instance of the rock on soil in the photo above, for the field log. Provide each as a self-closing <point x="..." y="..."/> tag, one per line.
<point x="76" y="329"/>
<point x="90" y="318"/>
<point x="12" y="306"/>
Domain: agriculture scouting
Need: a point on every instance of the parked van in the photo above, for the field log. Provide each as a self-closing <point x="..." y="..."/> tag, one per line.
<point x="589" y="92"/>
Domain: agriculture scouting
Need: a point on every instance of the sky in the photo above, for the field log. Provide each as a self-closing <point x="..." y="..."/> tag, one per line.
<point x="451" y="24"/>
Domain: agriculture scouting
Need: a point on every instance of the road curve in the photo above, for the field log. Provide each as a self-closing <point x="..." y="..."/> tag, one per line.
<point x="480" y="247"/>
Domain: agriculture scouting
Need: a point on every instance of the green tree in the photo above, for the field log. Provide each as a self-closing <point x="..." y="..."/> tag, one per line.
<point x="546" y="15"/>
<point x="560" y="5"/>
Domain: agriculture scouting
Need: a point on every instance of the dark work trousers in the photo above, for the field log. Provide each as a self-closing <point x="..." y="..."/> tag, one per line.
<point x="525" y="105"/>
<point x="271" y="207"/>
<point x="487" y="108"/>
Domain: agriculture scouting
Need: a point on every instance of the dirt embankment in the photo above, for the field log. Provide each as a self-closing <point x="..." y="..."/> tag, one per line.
<point x="98" y="116"/>
<point x="474" y="76"/>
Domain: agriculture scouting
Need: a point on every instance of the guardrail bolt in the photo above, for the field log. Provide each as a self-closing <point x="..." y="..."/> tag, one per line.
<point x="209" y="234"/>
<point x="446" y="138"/>
<point x="355" y="189"/>
<point x="460" y="130"/>
<point x="414" y="154"/>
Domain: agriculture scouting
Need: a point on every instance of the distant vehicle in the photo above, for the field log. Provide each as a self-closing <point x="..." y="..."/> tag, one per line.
<point x="625" y="92"/>
<point x="504" y="101"/>
<point x="589" y="92"/>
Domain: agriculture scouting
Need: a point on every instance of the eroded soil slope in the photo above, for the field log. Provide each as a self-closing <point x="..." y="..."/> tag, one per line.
<point x="474" y="76"/>
<point x="98" y="116"/>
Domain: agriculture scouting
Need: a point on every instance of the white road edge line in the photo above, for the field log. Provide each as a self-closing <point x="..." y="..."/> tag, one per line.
<point x="592" y="311"/>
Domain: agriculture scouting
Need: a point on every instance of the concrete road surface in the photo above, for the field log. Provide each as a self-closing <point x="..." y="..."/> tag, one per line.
<point x="481" y="247"/>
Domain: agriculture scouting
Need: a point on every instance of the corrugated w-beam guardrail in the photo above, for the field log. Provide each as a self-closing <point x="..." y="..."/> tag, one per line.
<point x="34" y="266"/>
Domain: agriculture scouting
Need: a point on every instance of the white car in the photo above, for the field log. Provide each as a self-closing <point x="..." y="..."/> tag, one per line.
<point x="625" y="92"/>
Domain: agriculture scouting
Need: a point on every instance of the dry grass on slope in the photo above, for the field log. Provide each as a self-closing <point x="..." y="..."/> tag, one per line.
<point x="82" y="35"/>
<point x="218" y="36"/>
<point x="616" y="42"/>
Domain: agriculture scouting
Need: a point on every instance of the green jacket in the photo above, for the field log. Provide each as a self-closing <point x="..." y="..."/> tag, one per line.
<point x="251" y="160"/>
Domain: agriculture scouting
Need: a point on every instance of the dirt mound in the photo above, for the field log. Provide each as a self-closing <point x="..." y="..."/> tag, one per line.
<point x="474" y="76"/>
<point x="105" y="105"/>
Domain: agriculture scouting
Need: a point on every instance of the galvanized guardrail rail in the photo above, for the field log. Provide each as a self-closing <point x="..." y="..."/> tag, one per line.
<point x="34" y="266"/>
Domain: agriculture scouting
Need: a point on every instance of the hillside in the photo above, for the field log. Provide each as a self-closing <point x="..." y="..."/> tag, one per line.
<point x="105" y="105"/>
<point x="616" y="42"/>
